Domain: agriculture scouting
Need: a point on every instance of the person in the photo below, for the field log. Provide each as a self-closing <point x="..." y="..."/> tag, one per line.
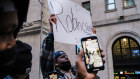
<point x="12" y="15"/>
<point x="59" y="60"/>
<point x="22" y="65"/>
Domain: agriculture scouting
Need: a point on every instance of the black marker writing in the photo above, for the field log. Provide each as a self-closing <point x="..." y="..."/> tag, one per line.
<point x="72" y="23"/>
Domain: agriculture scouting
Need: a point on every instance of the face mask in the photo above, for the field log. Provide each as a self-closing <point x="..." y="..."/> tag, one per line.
<point x="66" y="66"/>
<point x="7" y="58"/>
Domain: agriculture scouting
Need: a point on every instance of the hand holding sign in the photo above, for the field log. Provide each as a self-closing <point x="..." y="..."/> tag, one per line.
<point x="52" y="20"/>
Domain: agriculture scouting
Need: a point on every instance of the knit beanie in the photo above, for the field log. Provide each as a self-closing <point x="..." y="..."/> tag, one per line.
<point x="59" y="53"/>
<point x="23" y="60"/>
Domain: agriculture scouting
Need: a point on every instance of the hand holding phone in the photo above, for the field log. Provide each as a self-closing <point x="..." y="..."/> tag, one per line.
<point x="92" y="54"/>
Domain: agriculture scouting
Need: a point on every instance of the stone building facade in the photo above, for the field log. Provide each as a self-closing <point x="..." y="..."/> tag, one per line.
<point x="114" y="21"/>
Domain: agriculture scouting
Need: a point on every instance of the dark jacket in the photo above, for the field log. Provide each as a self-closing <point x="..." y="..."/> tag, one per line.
<point x="47" y="58"/>
<point x="47" y="55"/>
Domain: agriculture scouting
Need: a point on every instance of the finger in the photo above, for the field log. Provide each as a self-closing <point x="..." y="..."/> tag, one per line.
<point x="81" y="54"/>
<point x="52" y="15"/>
<point x="93" y="30"/>
<point x="101" y="50"/>
<point x="55" y="20"/>
<point x="102" y="55"/>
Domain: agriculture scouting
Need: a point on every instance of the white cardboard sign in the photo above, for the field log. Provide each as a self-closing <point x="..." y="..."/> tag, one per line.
<point x="73" y="21"/>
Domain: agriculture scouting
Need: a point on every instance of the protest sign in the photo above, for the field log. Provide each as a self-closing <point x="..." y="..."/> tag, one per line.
<point x="73" y="21"/>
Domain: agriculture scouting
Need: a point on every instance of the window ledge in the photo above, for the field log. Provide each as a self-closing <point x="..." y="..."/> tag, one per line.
<point x="108" y="11"/>
<point x="129" y="7"/>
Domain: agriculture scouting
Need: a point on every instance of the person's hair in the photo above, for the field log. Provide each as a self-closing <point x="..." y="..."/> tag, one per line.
<point x="21" y="6"/>
<point x="23" y="61"/>
<point x="22" y="9"/>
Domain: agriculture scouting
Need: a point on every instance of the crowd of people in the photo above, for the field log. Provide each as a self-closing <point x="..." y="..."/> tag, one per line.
<point x="58" y="61"/>
<point x="16" y="56"/>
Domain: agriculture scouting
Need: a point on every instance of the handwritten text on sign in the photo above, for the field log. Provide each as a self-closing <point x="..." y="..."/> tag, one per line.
<point x="73" y="21"/>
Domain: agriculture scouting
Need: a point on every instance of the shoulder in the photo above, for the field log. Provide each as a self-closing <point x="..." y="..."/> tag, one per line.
<point x="23" y="46"/>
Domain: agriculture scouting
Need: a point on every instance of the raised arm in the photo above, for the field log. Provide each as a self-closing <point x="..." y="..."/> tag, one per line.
<point x="51" y="21"/>
<point x="47" y="54"/>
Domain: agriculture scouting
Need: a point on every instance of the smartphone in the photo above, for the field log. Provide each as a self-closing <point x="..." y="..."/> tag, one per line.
<point x="92" y="54"/>
<point x="53" y="75"/>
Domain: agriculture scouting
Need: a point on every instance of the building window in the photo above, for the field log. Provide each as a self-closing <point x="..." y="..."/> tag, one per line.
<point x="128" y="3"/>
<point x="125" y="48"/>
<point x="86" y="5"/>
<point x="110" y="5"/>
<point x="126" y="58"/>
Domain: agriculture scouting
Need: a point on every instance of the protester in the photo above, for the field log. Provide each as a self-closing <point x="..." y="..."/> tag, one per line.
<point x="12" y="15"/>
<point x="22" y="64"/>
<point x="60" y="61"/>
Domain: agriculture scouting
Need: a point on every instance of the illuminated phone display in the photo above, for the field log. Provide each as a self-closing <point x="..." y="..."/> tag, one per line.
<point x="92" y="54"/>
<point x="53" y="76"/>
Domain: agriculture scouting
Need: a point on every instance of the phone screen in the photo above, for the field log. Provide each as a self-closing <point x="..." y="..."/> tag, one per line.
<point x="92" y="53"/>
<point x="53" y="76"/>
